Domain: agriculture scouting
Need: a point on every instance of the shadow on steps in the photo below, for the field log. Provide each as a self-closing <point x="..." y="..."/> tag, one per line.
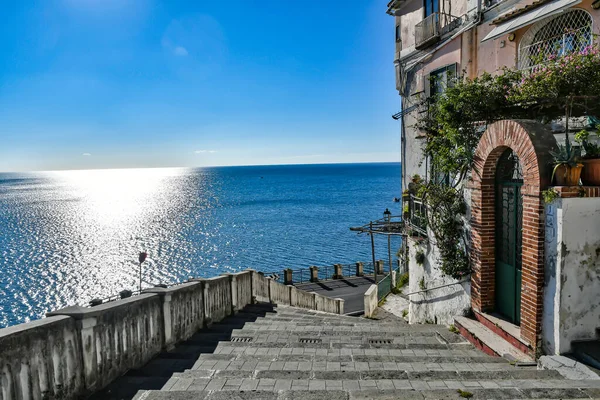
<point x="157" y="371"/>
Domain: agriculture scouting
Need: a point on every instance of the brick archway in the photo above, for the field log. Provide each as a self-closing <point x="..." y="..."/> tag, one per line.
<point x="531" y="142"/>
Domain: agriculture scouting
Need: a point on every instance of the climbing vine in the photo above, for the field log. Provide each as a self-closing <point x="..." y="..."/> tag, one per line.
<point x="445" y="218"/>
<point x="455" y="120"/>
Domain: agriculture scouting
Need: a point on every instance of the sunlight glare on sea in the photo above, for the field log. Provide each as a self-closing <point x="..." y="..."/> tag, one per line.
<point x="67" y="237"/>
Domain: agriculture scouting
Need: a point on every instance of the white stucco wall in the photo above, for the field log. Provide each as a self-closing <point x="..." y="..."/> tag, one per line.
<point x="572" y="274"/>
<point x="438" y="305"/>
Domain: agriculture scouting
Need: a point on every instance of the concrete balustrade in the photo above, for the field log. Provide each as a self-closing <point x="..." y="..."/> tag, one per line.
<point x="360" y="269"/>
<point x="370" y="301"/>
<point x="41" y="359"/>
<point x="79" y="350"/>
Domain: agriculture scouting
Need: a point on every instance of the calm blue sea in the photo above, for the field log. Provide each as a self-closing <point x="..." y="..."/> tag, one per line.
<point x="67" y="237"/>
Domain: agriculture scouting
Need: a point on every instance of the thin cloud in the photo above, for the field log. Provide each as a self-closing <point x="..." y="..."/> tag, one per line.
<point x="180" y="51"/>
<point x="204" y="151"/>
<point x="86" y="154"/>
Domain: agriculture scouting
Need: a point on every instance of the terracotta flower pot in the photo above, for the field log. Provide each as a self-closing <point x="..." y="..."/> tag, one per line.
<point x="590" y="176"/>
<point x="565" y="175"/>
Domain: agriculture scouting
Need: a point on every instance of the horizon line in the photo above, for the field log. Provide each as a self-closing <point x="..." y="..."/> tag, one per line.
<point x="206" y="166"/>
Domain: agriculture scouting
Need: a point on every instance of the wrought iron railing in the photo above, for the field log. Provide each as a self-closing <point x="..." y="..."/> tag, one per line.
<point x="384" y="287"/>
<point x="431" y="29"/>
<point x="417" y="218"/>
<point x="326" y="272"/>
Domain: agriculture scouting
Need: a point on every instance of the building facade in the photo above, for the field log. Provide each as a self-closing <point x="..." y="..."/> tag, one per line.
<point x="524" y="267"/>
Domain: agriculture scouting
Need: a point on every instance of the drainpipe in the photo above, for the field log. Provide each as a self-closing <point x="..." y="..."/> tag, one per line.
<point x="402" y="146"/>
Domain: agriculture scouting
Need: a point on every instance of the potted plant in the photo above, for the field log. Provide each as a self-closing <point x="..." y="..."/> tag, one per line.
<point x="591" y="159"/>
<point x="567" y="168"/>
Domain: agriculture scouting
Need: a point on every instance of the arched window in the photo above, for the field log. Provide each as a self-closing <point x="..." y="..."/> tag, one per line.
<point x="567" y="32"/>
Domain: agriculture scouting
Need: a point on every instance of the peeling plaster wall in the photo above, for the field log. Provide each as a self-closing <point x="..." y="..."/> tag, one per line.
<point x="572" y="281"/>
<point x="439" y="305"/>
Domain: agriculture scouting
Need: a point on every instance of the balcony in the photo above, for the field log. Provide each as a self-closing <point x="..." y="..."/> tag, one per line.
<point x="433" y="27"/>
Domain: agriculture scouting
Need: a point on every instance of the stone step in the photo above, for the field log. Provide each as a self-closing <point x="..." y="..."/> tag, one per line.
<point x="444" y="336"/>
<point x="301" y="337"/>
<point x="464" y="359"/>
<point x="322" y="372"/>
<point x="404" y="331"/>
<point x="188" y="351"/>
<point x="489" y="342"/>
<point x="287" y="389"/>
<point x="333" y="364"/>
<point x="587" y="351"/>
<point x="266" y="323"/>
<point x="329" y="317"/>
<point x="203" y="337"/>
<point x="338" y="345"/>
<point x="127" y="386"/>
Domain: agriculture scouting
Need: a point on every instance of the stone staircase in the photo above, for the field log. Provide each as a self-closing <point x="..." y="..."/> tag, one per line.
<point x="288" y="353"/>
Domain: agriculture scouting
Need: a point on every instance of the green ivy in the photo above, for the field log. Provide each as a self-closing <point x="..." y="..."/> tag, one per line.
<point x="445" y="218"/>
<point x="549" y="195"/>
<point x="456" y="119"/>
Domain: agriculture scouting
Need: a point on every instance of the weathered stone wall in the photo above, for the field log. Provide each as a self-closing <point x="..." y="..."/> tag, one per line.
<point x="572" y="275"/>
<point x="280" y="294"/>
<point x="40" y="359"/>
<point x="79" y="350"/>
<point x="439" y="305"/>
<point x="183" y="310"/>
<point x="305" y="299"/>
<point x="243" y="284"/>
<point x="260" y="287"/>
<point x="217" y="298"/>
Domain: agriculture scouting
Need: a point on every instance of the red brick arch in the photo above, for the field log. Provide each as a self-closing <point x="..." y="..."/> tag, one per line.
<point x="531" y="141"/>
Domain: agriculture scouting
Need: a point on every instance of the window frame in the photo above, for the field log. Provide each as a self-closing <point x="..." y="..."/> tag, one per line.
<point x="435" y="7"/>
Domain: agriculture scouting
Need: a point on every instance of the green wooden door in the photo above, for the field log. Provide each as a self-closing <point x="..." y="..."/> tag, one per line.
<point x="509" y="223"/>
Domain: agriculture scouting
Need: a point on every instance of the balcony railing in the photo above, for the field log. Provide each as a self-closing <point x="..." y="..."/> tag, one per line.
<point x="430" y="30"/>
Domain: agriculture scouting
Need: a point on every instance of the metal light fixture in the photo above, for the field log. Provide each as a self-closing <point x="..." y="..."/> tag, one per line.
<point x="387" y="214"/>
<point x="142" y="257"/>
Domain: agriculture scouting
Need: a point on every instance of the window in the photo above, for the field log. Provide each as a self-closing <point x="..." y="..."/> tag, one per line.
<point x="431" y="6"/>
<point x="397" y="33"/>
<point x="565" y="33"/>
<point x="440" y="79"/>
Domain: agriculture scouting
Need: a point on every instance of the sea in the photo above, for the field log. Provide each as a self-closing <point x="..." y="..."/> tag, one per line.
<point x="67" y="237"/>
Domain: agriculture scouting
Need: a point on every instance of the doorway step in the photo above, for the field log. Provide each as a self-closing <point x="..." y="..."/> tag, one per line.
<point x="588" y="351"/>
<point x="494" y="337"/>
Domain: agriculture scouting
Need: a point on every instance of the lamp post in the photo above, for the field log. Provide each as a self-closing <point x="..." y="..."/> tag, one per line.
<point x="142" y="257"/>
<point x="387" y="216"/>
<point x="373" y="250"/>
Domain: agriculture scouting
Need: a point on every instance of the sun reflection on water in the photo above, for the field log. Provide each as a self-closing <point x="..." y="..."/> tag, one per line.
<point x="67" y="237"/>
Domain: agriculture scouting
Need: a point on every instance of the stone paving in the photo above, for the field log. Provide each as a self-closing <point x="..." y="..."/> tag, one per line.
<point x="301" y="354"/>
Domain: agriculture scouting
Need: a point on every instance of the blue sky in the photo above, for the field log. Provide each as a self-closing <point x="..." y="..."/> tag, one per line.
<point x="148" y="83"/>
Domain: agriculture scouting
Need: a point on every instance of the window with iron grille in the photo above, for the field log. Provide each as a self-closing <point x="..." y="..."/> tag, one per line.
<point x="556" y="36"/>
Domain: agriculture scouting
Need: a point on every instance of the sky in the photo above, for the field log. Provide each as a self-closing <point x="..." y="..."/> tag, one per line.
<point x="146" y="83"/>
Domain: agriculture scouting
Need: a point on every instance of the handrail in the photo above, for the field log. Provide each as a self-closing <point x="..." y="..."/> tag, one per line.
<point x="439" y="287"/>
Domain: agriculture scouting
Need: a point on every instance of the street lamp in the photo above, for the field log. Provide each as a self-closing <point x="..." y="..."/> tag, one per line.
<point x="142" y="257"/>
<point x="387" y="216"/>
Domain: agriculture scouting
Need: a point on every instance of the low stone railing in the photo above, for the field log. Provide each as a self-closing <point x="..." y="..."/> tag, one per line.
<point x="79" y="350"/>
<point x="370" y="301"/>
